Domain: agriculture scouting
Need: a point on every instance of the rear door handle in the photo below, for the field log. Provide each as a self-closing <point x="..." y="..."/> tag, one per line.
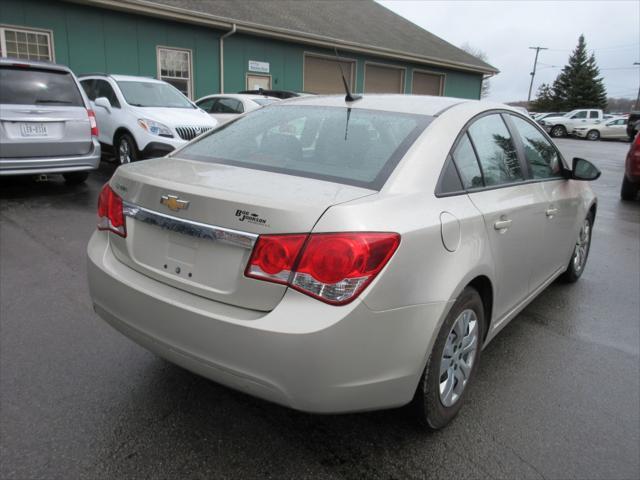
<point x="551" y="212"/>
<point x="502" y="224"/>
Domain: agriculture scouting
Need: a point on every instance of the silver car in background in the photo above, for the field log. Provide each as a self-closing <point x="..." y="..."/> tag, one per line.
<point x="46" y="124"/>
<point x="226" y="107"/>
<point x="336" y="256"/>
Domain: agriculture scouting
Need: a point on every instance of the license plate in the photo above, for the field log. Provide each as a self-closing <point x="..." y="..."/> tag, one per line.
<point x="33" y="130"/>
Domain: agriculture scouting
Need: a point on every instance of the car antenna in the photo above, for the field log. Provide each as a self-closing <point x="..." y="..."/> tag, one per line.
<point x="348" y="97"/>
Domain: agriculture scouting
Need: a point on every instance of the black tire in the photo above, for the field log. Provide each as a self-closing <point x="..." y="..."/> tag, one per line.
<point x="131" y="147"/>
<point x="629" y="190"/>
<point x="75" y="178"/>
<point x="573" y="273"/>
<point x="593" y="135"/>
<point x="427" y="405"/>
<point x="558" y="131"/>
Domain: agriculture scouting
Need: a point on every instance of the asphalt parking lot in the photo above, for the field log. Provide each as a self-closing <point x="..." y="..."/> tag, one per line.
<point x="557" y="395"/>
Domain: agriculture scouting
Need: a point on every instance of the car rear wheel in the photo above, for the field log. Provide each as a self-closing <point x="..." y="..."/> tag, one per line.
<point x="452" y="363"/>
<point x="558" y="131"/>
<point x="629" y="190"/>
<point x="126" y="149"/>
<point x="75" y="178"/>
<point x="593" y="135"/>
<point x="580" y="252"/>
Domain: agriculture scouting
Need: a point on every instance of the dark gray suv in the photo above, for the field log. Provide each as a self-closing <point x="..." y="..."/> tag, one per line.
<point x="46" y="125"/>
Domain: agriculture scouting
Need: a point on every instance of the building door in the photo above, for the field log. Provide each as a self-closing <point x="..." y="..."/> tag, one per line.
<point x="427" y="83"/>
<point x="383" y="79"/>
<point x="254" y="82"/>
<point x="322" y="74"/>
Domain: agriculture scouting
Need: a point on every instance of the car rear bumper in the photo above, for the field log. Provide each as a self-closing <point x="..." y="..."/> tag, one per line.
<point x="304" y="354"/>
<point x="41" y="165"/>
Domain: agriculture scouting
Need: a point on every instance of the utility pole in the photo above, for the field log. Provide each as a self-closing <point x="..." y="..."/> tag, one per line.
<point x="638" y="97"/>
<point x="533" y="74"/>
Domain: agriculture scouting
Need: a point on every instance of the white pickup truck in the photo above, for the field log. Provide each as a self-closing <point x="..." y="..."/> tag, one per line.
<point x="561" y="126"/>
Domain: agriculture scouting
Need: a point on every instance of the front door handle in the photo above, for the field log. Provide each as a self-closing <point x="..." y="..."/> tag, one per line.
<point x="551" y="212"/>
<point x="502" y="225"/>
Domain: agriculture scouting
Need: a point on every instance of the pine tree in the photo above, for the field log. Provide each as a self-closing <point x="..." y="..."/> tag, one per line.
<point x="579" y="84"/>
<point x="545" y="100"/>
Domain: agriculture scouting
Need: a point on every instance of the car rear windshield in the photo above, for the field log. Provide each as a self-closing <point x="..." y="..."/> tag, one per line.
<point x="264" y="101"/>
<point x="32" y="86"/>
<point x="153" y="94"/>
<point x="351" y="146"/>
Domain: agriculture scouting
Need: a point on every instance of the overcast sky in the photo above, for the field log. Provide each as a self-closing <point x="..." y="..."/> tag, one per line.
<point x="505" y="30"/>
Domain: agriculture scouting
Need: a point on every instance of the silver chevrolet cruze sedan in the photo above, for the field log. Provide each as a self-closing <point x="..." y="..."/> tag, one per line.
<point x="336" y="256"/>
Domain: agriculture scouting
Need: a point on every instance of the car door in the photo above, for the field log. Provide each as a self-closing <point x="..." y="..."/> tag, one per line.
<point x="107" y="119"/>
<point x="560" y="210"/>
<point x="616" y="129"/>
<point x="577" y="119"/>
<point x="512" y="209"/>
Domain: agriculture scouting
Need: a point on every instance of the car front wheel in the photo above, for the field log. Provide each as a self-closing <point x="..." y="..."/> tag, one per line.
<point x="580" y="252"/>
<point x="593" y="135"/>
<point x="452" y="363"/>
<point x="126" y="149"/>
<point x="558" y="131"/>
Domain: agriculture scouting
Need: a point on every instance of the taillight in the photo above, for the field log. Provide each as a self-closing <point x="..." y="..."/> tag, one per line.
<point x="110" y="212"/>
<point x="333" y="267"/>
<point x="93" y="123"/>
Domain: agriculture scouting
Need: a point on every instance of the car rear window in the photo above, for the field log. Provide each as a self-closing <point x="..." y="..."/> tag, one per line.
<point x="264" y="101"/>
<point x="31" y="86"/>
<point x="351" y="146"/>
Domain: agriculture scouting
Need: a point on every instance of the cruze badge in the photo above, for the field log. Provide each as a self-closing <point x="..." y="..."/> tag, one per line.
<point x="172" y="202"/>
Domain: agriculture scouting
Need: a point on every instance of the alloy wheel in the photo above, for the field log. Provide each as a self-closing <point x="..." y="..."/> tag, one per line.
<point x="581" y="249"/>
<point x="458" y="357"/>
<point x="593" y="135"/>
<point x="124" y="152"/>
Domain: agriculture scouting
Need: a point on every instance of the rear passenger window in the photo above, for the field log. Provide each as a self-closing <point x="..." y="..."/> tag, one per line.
<point x="87" y="86"/>
<point x="541" y="155"/>
<point x="449" y="180"/>
<point x="467" y="164"/>
<point x="103" y="89"/>
<point x="593" y="114"/>
<point x="496" y="151"/>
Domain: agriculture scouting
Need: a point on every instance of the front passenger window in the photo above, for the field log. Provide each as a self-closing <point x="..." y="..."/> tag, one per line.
<point x="496" y="152"/>
<point x="541" y="156"/>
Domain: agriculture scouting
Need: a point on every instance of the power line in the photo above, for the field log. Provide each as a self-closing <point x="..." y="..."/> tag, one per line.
<point x="533" y="73"/>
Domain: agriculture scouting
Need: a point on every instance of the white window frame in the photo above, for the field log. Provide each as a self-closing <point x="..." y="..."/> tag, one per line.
<point x="16" y="28"/>
<point x="443" y="78"/>
<point x="189" y="80"/>
<point x="385" y="65"/>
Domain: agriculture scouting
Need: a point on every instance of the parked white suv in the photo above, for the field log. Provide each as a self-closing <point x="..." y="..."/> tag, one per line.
<point x="141" y="117"/>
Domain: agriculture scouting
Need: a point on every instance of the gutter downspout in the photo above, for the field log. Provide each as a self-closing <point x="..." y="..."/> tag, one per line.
<point x="228" y="34"/>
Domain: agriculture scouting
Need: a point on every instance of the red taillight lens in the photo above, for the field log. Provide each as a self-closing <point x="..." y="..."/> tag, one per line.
<point x="110" y="212"/>
<point x="333" y="267"/>
<point x="273" y="257"/>
<point x="93" y="123"/>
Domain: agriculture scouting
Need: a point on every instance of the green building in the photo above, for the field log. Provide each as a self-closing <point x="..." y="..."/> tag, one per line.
<point x="205" y="47"/>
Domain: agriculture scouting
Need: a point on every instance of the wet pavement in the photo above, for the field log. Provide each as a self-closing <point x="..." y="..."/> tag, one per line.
<point x="557" y="393"/>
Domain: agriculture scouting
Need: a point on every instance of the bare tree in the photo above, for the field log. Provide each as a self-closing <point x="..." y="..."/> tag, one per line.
<point x="476" y="52"/>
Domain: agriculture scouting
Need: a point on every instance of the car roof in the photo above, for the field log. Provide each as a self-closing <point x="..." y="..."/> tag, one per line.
<point x="35" y="64"/>
<point x="117" y="77"/>
<point x="237" y="96"/>
<point x="413" y="104"/>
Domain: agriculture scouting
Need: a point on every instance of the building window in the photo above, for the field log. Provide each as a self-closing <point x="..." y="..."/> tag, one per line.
<point x="26" y="44"/>
<point x="174" y="67"/>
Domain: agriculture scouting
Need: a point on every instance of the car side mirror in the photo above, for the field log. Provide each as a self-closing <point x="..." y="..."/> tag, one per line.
<point x="104" y="103"/>
<point x="583" y="170"/>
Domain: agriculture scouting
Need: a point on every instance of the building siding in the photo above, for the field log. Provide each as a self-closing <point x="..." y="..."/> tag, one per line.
<point x="90" y="39"/>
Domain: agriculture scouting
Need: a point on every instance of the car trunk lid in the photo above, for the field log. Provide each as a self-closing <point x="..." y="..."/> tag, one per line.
<point x="192" y="224"/>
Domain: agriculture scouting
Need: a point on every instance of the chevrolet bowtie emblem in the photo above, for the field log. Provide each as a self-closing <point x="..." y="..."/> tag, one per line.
<point x="172" y="202"/>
